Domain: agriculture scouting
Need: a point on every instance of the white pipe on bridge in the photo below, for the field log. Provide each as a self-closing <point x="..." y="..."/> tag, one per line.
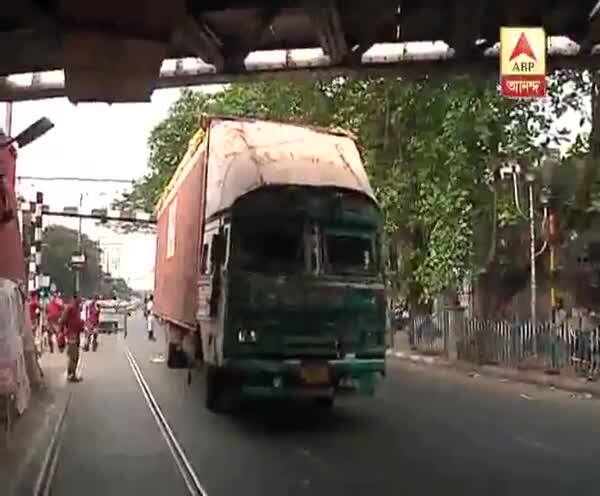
<point x="416" y="58"/>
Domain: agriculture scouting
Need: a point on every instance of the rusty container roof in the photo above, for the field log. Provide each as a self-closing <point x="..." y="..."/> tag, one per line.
<point x="247" y="154"/>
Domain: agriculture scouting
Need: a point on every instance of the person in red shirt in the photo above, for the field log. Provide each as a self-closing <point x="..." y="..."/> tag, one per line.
<point x="54" y="310"/>
<point x="92" y="320"/>
<point x="34" y="310"/>
<point x="72" y="327"/>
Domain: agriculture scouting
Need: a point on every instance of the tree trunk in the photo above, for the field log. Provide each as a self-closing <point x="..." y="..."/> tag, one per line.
<point x="591" y="164"/>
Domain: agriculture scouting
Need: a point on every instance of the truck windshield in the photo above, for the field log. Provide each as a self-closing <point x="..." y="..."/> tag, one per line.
<point x="273" y="249"/>
<point x="349" y="252"/>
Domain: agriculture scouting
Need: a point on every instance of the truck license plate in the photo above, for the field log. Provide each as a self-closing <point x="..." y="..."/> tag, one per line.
<point x="315" y="375"/>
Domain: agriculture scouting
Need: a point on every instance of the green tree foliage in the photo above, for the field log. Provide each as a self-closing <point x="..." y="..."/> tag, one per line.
<point x="167" y="144"/>
<point x="60" y="243"/>
<point x="114" y="286"/>
<point x="429" y="148"/>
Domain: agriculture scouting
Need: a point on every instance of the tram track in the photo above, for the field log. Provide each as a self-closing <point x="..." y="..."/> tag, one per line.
<point x="43" y="484"/>
<point x="52" y="461"/>
<point x="184" y="466"/>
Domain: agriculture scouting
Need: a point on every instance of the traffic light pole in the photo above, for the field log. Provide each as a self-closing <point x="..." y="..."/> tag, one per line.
<point x="37" y="210"/>
<point x="35" y="264"/>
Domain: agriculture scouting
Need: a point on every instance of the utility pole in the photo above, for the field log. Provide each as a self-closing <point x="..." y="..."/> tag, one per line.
<point x="514" y="170"/>
<point x="107" y="257"/>
<point x="79" y="248"/>
<point x="553" y="264"/>
<point x="532" y="257"/>
<point x="8" y="118"/>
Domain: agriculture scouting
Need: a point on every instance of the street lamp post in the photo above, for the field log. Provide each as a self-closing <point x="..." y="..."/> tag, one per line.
<point x="532" y="252"/>
<point x="514" y="171"/>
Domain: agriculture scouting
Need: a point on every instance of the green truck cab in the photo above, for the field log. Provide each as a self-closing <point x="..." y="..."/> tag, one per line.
<point x="291" y="300"/>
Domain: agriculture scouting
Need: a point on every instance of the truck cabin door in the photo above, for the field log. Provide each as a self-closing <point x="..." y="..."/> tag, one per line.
<point x="217" y="254"/>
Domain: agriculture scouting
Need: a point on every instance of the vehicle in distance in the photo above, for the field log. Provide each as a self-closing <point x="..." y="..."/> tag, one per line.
<point x="112" y="314"/>
<point x="268" y="265"/>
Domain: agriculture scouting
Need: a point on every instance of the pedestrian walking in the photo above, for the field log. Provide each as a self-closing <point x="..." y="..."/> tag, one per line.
<point x="92" y="319"/>
<point x="54" y="310"/>
<point x="34" y="309"/>
<point x="72" y="324"/>
<point x="150" y="318"/>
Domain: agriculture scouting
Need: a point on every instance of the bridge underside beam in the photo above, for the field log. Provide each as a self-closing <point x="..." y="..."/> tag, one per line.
<point x="409" y="70"/>
<point x="327" y="20"/>
<point x="112" y="50"/>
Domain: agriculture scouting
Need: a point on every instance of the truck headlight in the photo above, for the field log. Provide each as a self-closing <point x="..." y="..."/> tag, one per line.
<point x="246" y="336"/>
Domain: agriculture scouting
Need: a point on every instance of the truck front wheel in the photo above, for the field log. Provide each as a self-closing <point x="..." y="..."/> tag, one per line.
<point x="176" y="358"/>
<point x="222" y="395"/>
<point x="213" y="387"/>
<point x="325" y="402"/>
<point x="199" y="351"/>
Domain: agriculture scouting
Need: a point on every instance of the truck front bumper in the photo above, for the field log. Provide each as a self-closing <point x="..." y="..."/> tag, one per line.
<point x="294" y="378"/>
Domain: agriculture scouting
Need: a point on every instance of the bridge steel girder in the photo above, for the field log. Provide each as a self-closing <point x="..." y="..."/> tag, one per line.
<point x="325" y="16"/>
<point x="446" y="68"/>
<point x="112" y="50"/>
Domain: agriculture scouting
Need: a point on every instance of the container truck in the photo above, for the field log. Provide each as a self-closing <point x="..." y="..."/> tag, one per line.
<point x="268" y="263"/>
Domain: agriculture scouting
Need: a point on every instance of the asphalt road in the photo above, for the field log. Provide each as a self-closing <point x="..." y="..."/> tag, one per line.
<point x="427" y="431"/>
<point x="111" y="444"/>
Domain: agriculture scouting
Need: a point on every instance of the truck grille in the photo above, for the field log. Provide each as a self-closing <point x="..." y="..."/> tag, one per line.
<point x="310" y="346"/>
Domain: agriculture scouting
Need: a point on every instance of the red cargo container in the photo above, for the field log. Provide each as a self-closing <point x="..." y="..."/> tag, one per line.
<point x="180" y="215"/>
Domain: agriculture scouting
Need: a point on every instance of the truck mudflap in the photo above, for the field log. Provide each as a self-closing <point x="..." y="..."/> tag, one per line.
<point x="295" y="378"/>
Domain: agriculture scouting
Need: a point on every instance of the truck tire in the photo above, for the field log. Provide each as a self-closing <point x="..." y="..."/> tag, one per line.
<point x="199" y="351"/>
<point x="176" y="358"/>
<point x="325" y="402"/>
<point x="221" y="393"/>
<point x="213" y="386"/>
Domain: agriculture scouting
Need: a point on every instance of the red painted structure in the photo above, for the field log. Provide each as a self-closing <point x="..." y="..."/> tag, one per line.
<point x="176" y="281"/>
<point x="12" y="262"/>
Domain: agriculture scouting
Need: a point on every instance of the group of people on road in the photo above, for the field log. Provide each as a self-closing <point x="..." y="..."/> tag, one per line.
<point x="67" y="323"/>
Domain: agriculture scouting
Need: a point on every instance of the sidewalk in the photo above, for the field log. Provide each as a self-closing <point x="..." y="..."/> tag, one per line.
<point x="401" y="351"/>
<point x="23" y="455"/>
